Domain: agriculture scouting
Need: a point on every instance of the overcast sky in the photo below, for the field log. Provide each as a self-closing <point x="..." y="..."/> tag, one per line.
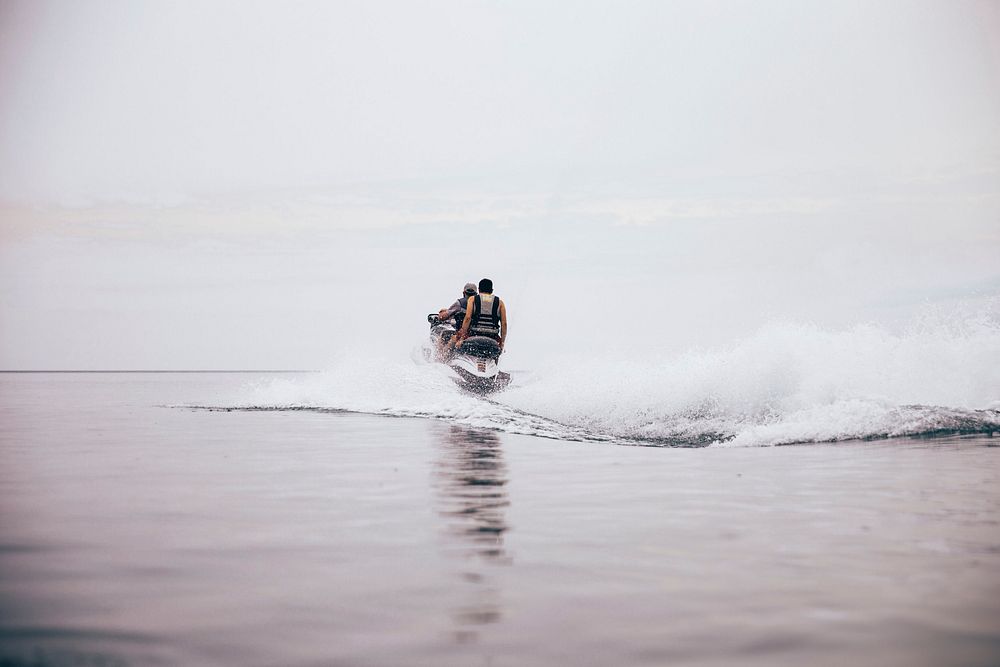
<point x="155" y="155"/>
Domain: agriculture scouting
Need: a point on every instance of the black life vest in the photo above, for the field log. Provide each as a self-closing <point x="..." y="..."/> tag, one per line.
<point x="485" y="323"/>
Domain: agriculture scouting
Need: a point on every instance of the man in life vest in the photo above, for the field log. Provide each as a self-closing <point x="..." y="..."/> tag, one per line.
<point x="485" y="315"/>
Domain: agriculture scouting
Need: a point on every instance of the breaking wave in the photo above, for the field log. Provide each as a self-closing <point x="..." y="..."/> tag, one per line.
<point x="787" y="383"/>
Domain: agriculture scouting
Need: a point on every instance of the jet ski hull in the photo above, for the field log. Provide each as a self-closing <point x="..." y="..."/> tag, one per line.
<point x="479" y="383"/>
<point x="474" y="362"/>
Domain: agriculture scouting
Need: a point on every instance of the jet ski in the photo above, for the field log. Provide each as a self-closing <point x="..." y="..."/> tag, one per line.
<point x="475" y="361"/>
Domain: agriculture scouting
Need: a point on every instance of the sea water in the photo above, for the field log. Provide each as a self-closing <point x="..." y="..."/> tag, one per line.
<point x="365" y="517"/>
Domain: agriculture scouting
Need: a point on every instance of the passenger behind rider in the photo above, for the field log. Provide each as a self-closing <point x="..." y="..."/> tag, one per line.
<point x="485" y="315"/>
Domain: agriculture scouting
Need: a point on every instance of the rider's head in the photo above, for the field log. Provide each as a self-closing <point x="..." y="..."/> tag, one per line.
<point x="486" y="286"/>
<point x="470" y="289"/>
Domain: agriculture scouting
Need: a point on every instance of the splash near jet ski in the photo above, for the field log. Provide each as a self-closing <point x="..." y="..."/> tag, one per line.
<point x="475" y="360"/>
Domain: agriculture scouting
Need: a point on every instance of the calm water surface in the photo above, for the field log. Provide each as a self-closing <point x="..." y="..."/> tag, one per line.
<point x="132" y="533"/>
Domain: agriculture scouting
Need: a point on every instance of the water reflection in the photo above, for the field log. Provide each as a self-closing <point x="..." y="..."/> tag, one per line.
<point x="470" y="477"/>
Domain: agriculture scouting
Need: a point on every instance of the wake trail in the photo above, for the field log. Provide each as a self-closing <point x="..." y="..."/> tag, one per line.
<point x="787" y="383"/>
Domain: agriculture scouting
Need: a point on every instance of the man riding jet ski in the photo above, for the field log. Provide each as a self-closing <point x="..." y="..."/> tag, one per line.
<point x="485" y="316"/>
<point x="474" y="351"/>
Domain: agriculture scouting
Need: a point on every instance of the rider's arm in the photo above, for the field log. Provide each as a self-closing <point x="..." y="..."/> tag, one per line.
<point x="503" y="323"/>
<point x="445" y="313"/>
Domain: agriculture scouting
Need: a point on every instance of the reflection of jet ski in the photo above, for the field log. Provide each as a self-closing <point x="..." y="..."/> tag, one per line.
<point x="474" y="361"/>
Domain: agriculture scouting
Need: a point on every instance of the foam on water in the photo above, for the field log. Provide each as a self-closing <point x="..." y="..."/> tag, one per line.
<point x="379" y="385"/>
<point x="787" y="383"/>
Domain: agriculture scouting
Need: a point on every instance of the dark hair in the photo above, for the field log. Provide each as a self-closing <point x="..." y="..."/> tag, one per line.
<point x="486" y="285"/>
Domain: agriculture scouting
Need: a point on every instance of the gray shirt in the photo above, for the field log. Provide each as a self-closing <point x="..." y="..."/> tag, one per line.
<point x="457" y="306"/>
